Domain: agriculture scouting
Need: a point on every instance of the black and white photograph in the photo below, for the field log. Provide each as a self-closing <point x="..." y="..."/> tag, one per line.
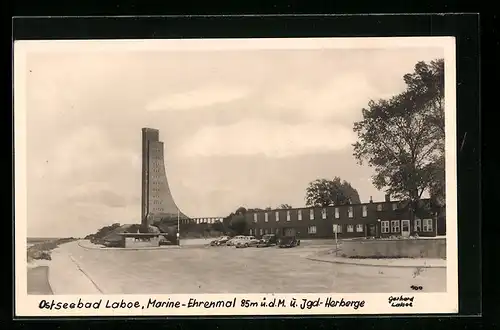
<point x="232" y="176"/>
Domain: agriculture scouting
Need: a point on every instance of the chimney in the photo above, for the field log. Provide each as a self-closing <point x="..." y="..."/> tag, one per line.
<point x="371" y="199"/>
<point x="387" y="197"/>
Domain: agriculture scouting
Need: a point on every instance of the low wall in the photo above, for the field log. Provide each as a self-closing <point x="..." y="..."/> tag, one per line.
<point x="400" y="248"/>
<point x="133" y="243"/>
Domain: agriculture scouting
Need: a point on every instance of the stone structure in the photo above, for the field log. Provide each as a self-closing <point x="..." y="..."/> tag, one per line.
<point x="157" y="201"/>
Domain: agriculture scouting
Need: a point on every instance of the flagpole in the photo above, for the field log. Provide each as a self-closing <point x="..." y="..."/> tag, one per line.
<point x="178" y="226"/>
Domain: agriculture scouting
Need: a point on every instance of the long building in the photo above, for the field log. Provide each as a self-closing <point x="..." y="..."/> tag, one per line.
<point x="373" y="219"/>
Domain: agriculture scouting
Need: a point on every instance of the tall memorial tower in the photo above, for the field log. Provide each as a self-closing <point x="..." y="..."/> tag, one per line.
<point x="156" y="199"/>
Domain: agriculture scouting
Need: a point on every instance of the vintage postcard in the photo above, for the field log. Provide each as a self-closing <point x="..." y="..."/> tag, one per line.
<point x="235" y="177"/>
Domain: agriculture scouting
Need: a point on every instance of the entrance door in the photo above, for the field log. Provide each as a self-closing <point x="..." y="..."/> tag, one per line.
<point x="372" y="230"/>
<point x="405" y="228"/>
<point x="289" y="232"/>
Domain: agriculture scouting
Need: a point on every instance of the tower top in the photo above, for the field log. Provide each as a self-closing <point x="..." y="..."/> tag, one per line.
<point x="145" y="129"/>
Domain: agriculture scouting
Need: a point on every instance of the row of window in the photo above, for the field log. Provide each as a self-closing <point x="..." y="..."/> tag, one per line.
<point x="393" y="226"/>
<point x="350" y="214"/>
<point x="264" y="231"/>
<point x="311" y="229"/>
<point x="387" y="227"/>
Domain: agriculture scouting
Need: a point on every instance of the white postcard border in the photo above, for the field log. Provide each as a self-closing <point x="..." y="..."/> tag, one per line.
<point x="374" y="303"/>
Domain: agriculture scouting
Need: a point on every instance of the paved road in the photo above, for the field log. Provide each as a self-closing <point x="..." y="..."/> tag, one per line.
<point x="251" y="270"/>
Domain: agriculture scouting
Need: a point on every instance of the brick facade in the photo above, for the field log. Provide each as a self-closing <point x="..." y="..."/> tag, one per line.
<point x="381" y="219"/>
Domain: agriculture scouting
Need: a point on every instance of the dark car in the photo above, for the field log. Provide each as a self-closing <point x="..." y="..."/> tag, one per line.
<point x="268" y="240"/>
<point x="220" y="241"/>
<point x="288" y="242"/>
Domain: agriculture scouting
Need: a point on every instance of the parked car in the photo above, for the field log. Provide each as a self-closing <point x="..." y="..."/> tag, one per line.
<point x="288" y="242"/>
<point x="233" y="240"/>
<point x="247" y="241"/>
<point x="268" y="240"/>
<point x="220" y="241"/>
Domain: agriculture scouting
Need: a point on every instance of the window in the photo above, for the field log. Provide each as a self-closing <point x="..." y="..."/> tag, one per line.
<point x="337" y="228"/>
<point x="311" y="214"/>
<point x="417" y="225"/>
<point x="427" y="225"/>
<point x="311" y="230"/>
<point x="350" y="212"/>
<point x="394" y="206"/>
<point x="350" y="228"/>
<point x="266" y="231"/>
<point x="395" y="226"/>
<point x="384" y="226"/>
<point x="266" y="217"/>
<point x="337" y="215"/>
<point x="287" y="215"/>
<point x="197" y="221"/>
<point x="365" y="210"/>
<point x="323" y="213"/>
<point x="299" y="215"/>
<point x="379" y="207"/>
<point x="261" y="231"/>
<point x="255" y="217"/>
<point x="277" y="216"/>
<point x="277" y="231"/>
<point x="251" y="232"/>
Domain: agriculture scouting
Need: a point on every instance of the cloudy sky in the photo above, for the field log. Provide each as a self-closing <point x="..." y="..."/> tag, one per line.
<point x="242" y="127"/>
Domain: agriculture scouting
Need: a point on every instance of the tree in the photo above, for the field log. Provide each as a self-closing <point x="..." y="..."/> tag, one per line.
<point x="240" y="210"/>
<point x="403" y="138"/>
<point x="285" y="207"/>
<point x="427" y="83"/>
<point x="218" y="226"/>
<point x="324" y="192"/>
<point x="238" y="224"/>
<point x="104" y="231"/>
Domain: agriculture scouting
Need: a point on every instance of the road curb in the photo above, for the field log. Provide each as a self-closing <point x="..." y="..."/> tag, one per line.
<point x="372" y="265"/>
<point x="165" y="247"/>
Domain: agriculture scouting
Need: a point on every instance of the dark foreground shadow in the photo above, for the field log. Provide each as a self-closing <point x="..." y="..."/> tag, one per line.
<point x="38" y="281"/>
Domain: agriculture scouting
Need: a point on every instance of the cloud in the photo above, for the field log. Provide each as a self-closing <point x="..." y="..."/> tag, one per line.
<point x="340" y="98"/>
<point x="100" y="193"/>
<point x="202" y="97"/>
<point x="272" y="139"/>
<point x="88" y="149"/>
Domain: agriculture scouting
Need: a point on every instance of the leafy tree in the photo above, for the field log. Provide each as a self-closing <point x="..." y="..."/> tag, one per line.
<point x="218" y="226"/>
<point x="240" y="210"/>
<point x="324" y="192"/>
<point x="133" y="228"/>
<point x="427" y="84"/>
<point x="285" y="206"/>
<point x="238" y="224"/>
<point x="104" y="231"/>
<point x="403" y="138"/>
